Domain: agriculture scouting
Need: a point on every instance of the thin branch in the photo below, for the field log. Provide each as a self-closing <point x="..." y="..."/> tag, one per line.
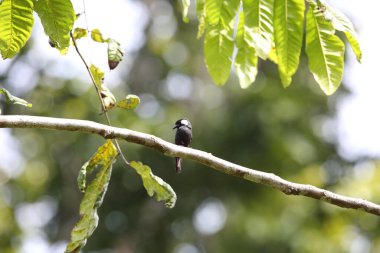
<point x="170" y="149"/>
<point x="98" y="92"/>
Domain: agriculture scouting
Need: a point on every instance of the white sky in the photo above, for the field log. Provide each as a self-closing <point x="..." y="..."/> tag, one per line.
<point x="358" y="119"/>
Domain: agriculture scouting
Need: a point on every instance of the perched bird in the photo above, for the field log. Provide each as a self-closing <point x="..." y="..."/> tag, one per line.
<point x="183" y="137"/>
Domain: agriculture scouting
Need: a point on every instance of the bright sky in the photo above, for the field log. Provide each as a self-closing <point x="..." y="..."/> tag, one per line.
<point x="358" y="120"/>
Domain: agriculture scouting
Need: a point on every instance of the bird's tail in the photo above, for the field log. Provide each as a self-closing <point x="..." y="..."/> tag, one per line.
<point x="178" y="164"/>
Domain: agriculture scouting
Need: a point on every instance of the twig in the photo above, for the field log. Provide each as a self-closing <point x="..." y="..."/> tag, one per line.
<point x="99" y="95"/>
<point x="170" y="149"/>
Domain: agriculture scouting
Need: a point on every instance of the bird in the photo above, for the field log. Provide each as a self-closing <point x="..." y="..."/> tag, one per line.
<point x="183" y="137"/>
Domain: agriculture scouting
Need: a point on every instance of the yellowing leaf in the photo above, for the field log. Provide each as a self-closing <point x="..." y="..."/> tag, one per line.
<point x="131" y="102"/>
<point x="93" y="196"/>
<point x="79" y="33"/>
<point x="97" y="74"/>
<point x="154" y="185"/>
<point x="16" y="23"/>
<point x="97" y="36"/>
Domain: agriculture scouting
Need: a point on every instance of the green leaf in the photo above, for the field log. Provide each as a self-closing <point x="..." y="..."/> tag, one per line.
<point x="57" y="18"/>
<point x="131" y="102"/>
<point x="246" y="58"/>
<point x="79" y="33"/>
<point x="16" y="23"/>
<point x="10" y="99"/>
<point x="218" y="45"/>
<point x="259" y="15"/>
<point x="201" y="13"/>
<point x="93" y="196"/>
<point x="185" y="10"/>
<point x="343" y="24"/>
<point x="97" y="36"/>
<point x="324" y="50"/>
<point x="218" y="49"/>
<point x="97" y="74"/>
<point x="154" y="185"/>
<point x="115" y="53"/>
<point x="288" y="34"/>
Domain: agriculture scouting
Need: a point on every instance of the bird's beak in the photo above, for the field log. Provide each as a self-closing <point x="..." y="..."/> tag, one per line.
<point x="176" y="126"/>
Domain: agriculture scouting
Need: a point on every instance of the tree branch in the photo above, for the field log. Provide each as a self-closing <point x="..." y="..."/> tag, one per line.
<point x="199" y="156"/>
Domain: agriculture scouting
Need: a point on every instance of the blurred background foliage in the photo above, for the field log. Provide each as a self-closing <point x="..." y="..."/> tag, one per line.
<point x="265" y="127"/>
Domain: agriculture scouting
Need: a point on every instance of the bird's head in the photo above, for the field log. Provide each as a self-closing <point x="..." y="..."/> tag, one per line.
<point x="182" y="122"/>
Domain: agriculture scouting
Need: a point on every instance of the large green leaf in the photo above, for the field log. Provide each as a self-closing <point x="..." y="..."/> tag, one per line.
<point x="259" y="15"/>
<point x="16" y="23"/>
<point x="154" y="185"/>
<point x="325" y="51"/>
<point x="342" y="23"/>
<point x="57" y="18"/>
<point x="218" y="49"/>
<point x="246" y="58"/>
<point x="288" y="34"/>
<point x="93" y="196"/>
<point x="218" y="45"/>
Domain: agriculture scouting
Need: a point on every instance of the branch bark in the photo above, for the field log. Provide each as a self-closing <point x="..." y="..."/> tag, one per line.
<point x="170" y="149"/>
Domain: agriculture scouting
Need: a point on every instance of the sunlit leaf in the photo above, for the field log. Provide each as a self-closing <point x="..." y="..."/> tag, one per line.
<point x="288" y="31"/>
<point x="97" y="74"/>
<point x="201" y="13"/>
<point x="57" y="18"/>
<point x="97" y="36"/>
<point x="79" y="33"/>
<point x="115" y="53"/>
<point x="343" y="24"/>
<point x="16" y="23"/>
<point x="218" y="44"/>
<point x="131" y="102"/>
<point x="246" y="58"/>
<point x="325" y="51"/>
<point x="154" y="185"/>
<point x="93" y="196"/>
<point x="259" y="15"/>
<point x="185" y="10"/>
<point x="10" y="99"/>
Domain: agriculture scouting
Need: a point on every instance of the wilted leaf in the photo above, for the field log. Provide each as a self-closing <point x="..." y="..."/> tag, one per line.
<point x="97" y="36"/>
<point x="93" y="196"/>
<point x="115" y="53"/>
<point x="154" y="185"/>
<point x="108" y="98"/>
<point x="79" y="33"/>
<point x="131" y="102"/>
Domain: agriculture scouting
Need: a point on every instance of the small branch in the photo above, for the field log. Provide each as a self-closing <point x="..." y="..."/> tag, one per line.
<point x="199" y="156"/>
